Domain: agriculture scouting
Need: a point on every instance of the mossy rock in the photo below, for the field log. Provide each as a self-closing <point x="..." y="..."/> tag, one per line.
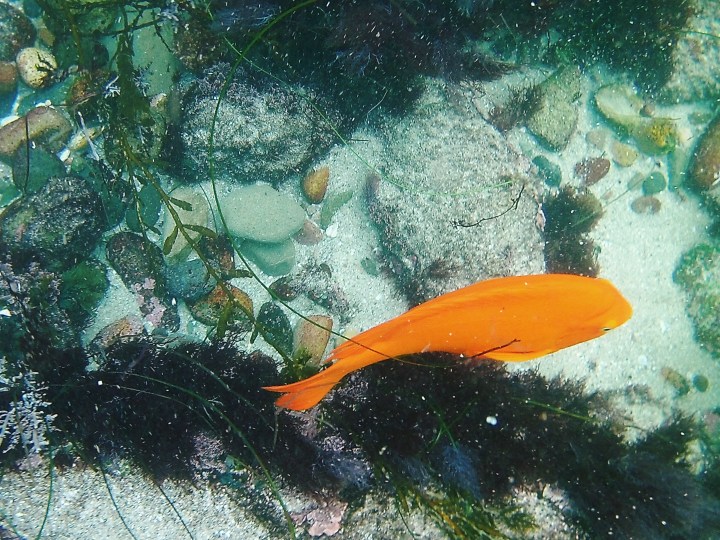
<point x="81" y="289"/>
<point x="215" y="309"/>
<point x="698" y="272"/>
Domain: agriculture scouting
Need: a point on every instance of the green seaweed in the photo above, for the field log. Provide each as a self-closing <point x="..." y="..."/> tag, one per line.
<point x="81" y="289"/>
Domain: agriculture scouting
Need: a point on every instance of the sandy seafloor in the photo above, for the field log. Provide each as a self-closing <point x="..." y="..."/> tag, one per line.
<point x="638" y="254"/>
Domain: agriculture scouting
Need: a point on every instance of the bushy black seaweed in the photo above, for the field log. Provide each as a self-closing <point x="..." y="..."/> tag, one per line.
<point x="569" y="216"/>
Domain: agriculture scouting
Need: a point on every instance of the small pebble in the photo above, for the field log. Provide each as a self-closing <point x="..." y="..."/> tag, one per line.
<point x="8" y="78"/>
<point x="700" y="382"/>
<point x="623" y="154"/>
<point x="645" y="205"/>
<point x="36" y="66"/>
<point x="676" y="380"/>
<point x="636" y="181"/>
<point x="654" y="183"/>
<point x="648" y="109"/>
<point x="311" y="338"/>
<point x="548" y="171"/>
<point x="315" y="185"/>
<point x="591" y="170"/>
<point x="597" y="137"/>
<point x="310" y="234"/>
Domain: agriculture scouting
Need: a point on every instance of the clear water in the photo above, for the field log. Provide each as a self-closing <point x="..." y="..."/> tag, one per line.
<point x="209" y="187"/>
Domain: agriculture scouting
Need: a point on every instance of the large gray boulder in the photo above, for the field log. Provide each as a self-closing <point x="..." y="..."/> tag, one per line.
<point x="456" y="203"/>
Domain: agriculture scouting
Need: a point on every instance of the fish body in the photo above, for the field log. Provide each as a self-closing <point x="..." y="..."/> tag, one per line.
<point x="510" y="319"/>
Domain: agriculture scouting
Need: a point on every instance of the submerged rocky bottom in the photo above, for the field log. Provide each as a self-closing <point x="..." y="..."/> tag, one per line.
<point x="451" y="438"/>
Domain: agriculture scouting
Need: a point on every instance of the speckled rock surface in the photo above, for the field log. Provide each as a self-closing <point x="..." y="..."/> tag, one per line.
<point x="696" y="57"/>
<point x="262" y="133"/>
<point x="470" y="175"/>
<point x="698" y="273"/>
<point x="555" y="117"/>
<point x="16" y="31"/>
<point x="58" y="225"/>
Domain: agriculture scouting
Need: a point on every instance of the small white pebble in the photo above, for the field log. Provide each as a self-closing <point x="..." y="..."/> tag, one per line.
<point x="492" y="420"/>
<point x="332" y="230"/>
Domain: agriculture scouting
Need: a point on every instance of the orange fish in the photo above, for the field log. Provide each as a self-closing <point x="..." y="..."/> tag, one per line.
<point x="510" y="319"/>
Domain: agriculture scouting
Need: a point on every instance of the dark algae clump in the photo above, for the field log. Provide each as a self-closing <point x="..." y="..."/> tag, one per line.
<point x="570" y="216"/>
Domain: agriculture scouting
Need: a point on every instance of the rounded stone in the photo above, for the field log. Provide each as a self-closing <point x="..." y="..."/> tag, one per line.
<point x="646" y="205"/>
<point x="45" y="125"/>
<point x="59" y="225"/>
<point x="705" y="166"/>
<point x="273" y="259"/>
<point x="623" y="154"/>
<point x="36" y="67"/>
<point x="198" y="215"/>
<point x="209" y="309"/>
<point x="311" y="338"/>
<point x="8" y="78"/>
<point x="43" y="165"/>
<point x="261" y="213"/>
<point x="654" y="183"/>
<point x="315" y="184"/>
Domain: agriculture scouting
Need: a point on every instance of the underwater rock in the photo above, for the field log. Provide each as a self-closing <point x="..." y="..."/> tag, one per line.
<point x="59" y="225"/>
<point x="623" y="154"/>
<point x="592" y="170"/>
<point x="127" y="327"/>
<point x="332" y="206"/>
<point x="698" y="273"/>
<point x="261" y="213"/>
<point x="36" y="67"/>
<point x="314" y="185"/>
<point x="146" y="216"/>
<point x="311" y="338"/>
<point x="45" y="125"/>
<point x="188" y="280"/>
<point x="654" y="183"/>
<point x="456" y="204"/>
<point x="676" y="379"/>
<point x="276" y="327"/>
<point x="263" y="132"/>
<point x="695" y="60"/>
<point x="555" y="109"/>
<point x="547" y="170"/>
<point x="705" y="162"/>
<point x="646" y="204"/>
<point x="140" y="265"/>
<point x="8" y="85"/>
<point x="16" y="31"/>
<point x="212" y="308"/>
<point x="274" y="259"/>
<point x="622" y="107"/>
<point x="309" y="235"/>
<point x="43" y="166"/>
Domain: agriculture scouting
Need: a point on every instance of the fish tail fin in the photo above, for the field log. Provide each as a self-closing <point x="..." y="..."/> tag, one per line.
<point x="306" y="393"/>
